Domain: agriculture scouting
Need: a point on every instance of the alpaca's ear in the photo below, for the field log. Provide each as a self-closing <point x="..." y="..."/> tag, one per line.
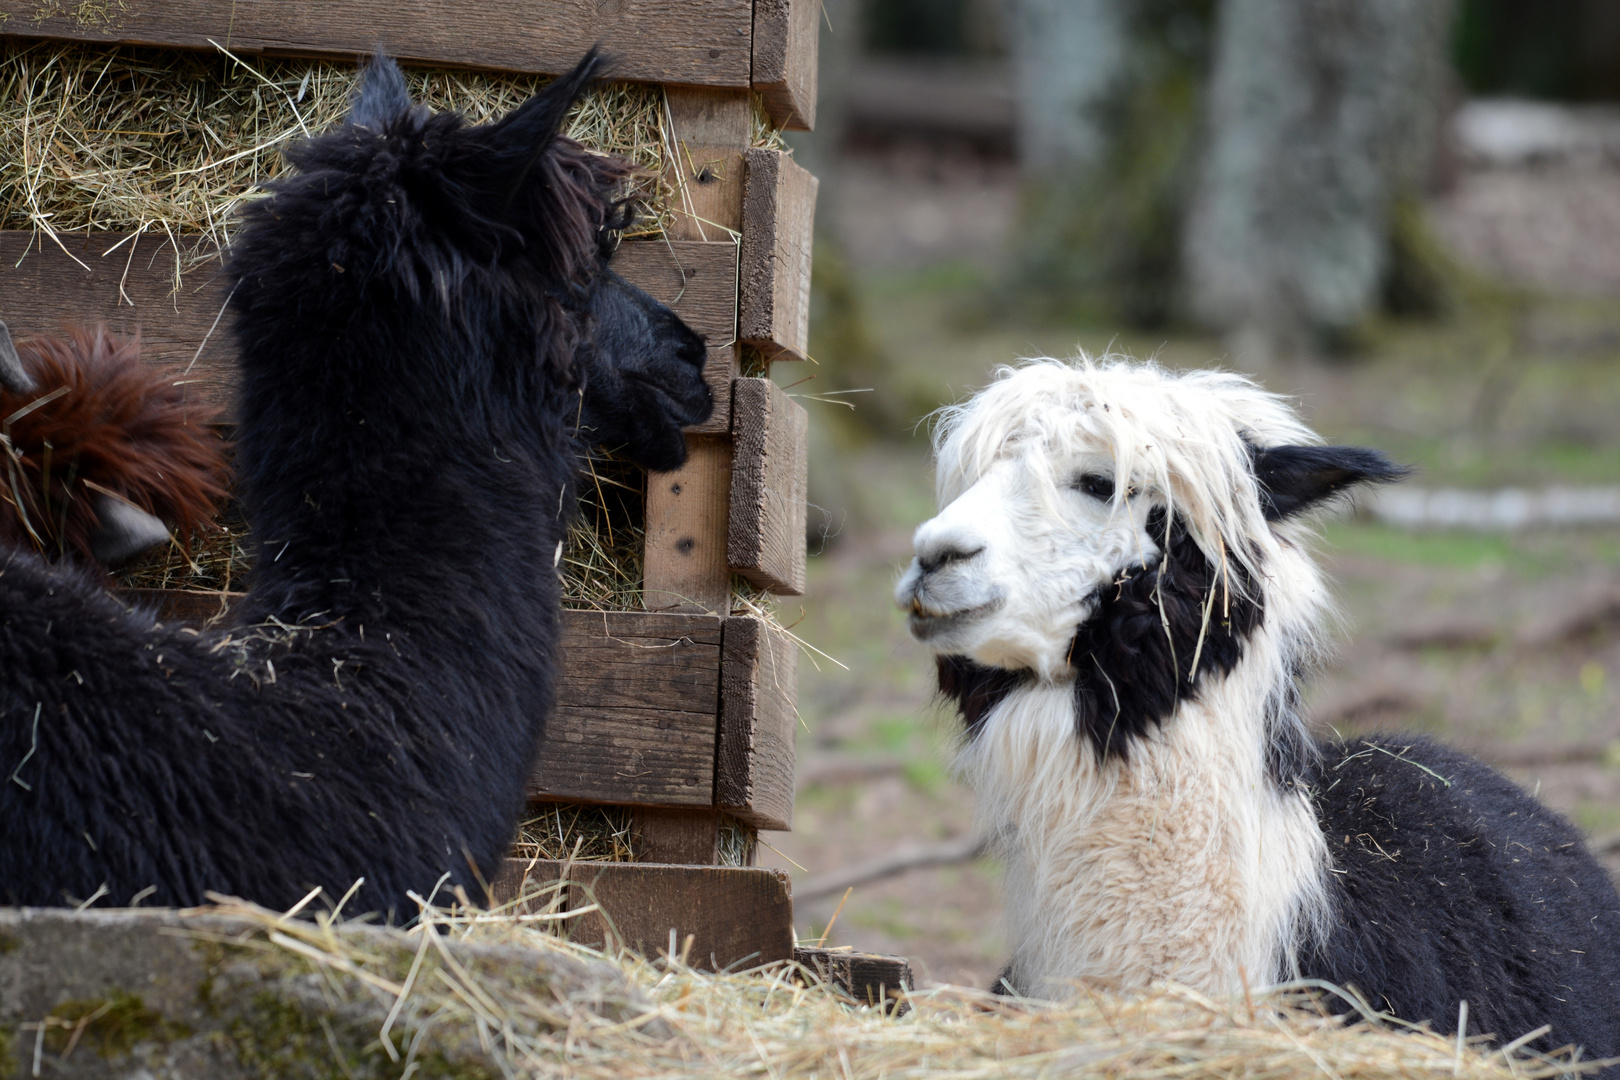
<point x="522" y="135"/>
<point x="381" y="97"/>
<point x="1295" y="478"/>
<point x="12" y="375"/>
<point x="123" y="530"/>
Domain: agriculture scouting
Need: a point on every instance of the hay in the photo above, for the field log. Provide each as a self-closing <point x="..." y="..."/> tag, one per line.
<point x="583" y="832"/>
<point x="217" y="559"/>
<point x="779" y="1023"/>
<point x="117" y="138"/>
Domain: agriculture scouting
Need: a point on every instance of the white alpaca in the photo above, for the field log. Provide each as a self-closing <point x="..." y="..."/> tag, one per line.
<point x="1119" y="588"/>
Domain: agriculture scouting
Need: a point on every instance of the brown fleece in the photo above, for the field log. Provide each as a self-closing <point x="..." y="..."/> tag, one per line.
<point x="121" y="427"/>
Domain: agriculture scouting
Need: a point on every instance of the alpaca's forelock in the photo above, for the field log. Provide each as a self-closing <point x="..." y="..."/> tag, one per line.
<point x="1185" y="437"/>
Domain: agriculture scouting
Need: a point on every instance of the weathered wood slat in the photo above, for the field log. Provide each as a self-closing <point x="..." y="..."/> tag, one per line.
<point x="738" y="917"/>
<point x="636" y="708"/>
<point x="754" y="766"/>
<point x="677" y="836"/>
<point x="130" y="284"/>
<point x="694" y="42"/>
<point x="786" y="34"/>
<point x="685" y="566"/>
<point x="779" y="213"/>
<point x="869" y="978"/>
<point x="769" y="486"/>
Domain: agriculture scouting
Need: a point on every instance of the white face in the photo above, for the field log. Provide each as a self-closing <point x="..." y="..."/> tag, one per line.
<point x="1007" y="571"/>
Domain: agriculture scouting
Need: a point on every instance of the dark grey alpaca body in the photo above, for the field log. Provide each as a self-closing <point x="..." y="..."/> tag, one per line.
<point x="418" y="310"/>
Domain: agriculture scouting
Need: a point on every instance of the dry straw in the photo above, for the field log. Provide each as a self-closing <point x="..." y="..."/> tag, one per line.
<point x="778" y="1022"/>
<point x="579" y="832"/>
<point x="111" y="138"/>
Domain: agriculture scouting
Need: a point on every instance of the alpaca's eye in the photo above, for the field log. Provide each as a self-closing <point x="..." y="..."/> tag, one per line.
<point x="1098" y="487"/>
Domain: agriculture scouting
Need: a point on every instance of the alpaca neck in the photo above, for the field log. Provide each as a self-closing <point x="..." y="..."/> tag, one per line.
<point x="435" y="544"/>
<point x="1185" y="861"/>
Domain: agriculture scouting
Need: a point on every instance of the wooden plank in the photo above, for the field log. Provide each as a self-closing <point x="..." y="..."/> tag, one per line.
<point x="677" y="836"/>
<point x="687" y="512"/>
<point x="769" y="486"/>
<point x="786" y="38"/>
<point x="692" y="42"/>
<point x="686" y="509"/>
<point x="131" y="285"/>
<point x="635" y="715"/>
<point x="869" y="978"/>
<point x="779" y="211"/>
<point x="738" y="917"/>
<point x="758" y="722"/>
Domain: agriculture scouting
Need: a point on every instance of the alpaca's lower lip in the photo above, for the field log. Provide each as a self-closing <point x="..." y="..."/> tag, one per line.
<point x="925" y="623"/>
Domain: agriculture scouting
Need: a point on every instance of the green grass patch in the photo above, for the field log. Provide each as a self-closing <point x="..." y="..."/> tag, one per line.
<point x="1465" y="550"/>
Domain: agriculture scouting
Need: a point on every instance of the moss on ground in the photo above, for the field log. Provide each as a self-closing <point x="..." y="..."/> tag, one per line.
<point x="111" y="1026"/>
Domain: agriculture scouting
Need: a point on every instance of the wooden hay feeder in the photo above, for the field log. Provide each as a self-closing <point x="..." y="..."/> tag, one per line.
<point x="679" y="715"/>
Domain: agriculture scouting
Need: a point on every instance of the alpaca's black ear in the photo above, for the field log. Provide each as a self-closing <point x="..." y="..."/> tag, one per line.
<point x="1295" y="478"/>
<point x="381" y="97"/>
<point x="12" y="375"/>
<point x="523" y="134"/>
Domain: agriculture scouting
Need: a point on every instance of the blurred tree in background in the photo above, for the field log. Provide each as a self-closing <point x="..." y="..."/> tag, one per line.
<point x="1323" y="118"/>
<point x="1110" y="101"/>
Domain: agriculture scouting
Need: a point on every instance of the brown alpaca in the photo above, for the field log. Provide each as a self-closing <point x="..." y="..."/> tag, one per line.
<point x="100" y="447"/>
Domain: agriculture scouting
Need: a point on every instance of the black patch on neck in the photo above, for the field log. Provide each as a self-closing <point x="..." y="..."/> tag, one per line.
<point x="974" y="688"/>
<point x="1130" y="674"/>
<point x="1133" y="658"/>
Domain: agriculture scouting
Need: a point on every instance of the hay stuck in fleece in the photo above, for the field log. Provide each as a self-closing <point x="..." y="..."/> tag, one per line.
<point x="470" y="993"/>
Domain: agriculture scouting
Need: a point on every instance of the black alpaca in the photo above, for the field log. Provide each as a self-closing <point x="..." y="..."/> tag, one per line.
<point x="1407" y="871"/>
<point x="418" y="309"/>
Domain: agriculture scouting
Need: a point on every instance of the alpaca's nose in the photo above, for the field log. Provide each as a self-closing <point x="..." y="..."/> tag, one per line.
<point x="949" y="549"/>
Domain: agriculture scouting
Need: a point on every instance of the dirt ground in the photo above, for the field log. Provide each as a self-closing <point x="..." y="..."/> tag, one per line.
<point x="1505" y="644"/>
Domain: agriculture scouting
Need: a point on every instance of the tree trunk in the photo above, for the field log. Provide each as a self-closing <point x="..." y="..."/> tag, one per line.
<point x="1322" y="116"/>
<point x="1067" y="56"/>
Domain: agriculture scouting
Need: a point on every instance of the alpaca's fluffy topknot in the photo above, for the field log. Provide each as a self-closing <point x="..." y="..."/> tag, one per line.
<point x="100" y="421"/>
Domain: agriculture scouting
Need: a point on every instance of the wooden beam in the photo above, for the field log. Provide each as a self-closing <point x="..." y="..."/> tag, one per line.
<point x="769" y="486"/>
<point x="758" y="724"/>
<point x="786" y="40"/>
<point x="687" y="516"/>
<point x="738" y="917"/>
<point x="686" y="509"/>
<point x="131" y="284"/>
<point x="869" y="978"/>
<point x="635" y="715"/>
<point x="779" y="213"/>
<point x="690" y="42"/>
<point x="677" y="836"/>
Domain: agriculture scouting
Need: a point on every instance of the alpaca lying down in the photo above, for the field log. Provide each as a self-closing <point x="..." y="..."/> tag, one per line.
<point x="425" y="320"/>
<point x="1121" y="594"/>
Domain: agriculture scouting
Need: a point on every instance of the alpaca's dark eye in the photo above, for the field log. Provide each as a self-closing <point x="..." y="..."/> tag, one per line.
<point x="1098" y="487"/>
